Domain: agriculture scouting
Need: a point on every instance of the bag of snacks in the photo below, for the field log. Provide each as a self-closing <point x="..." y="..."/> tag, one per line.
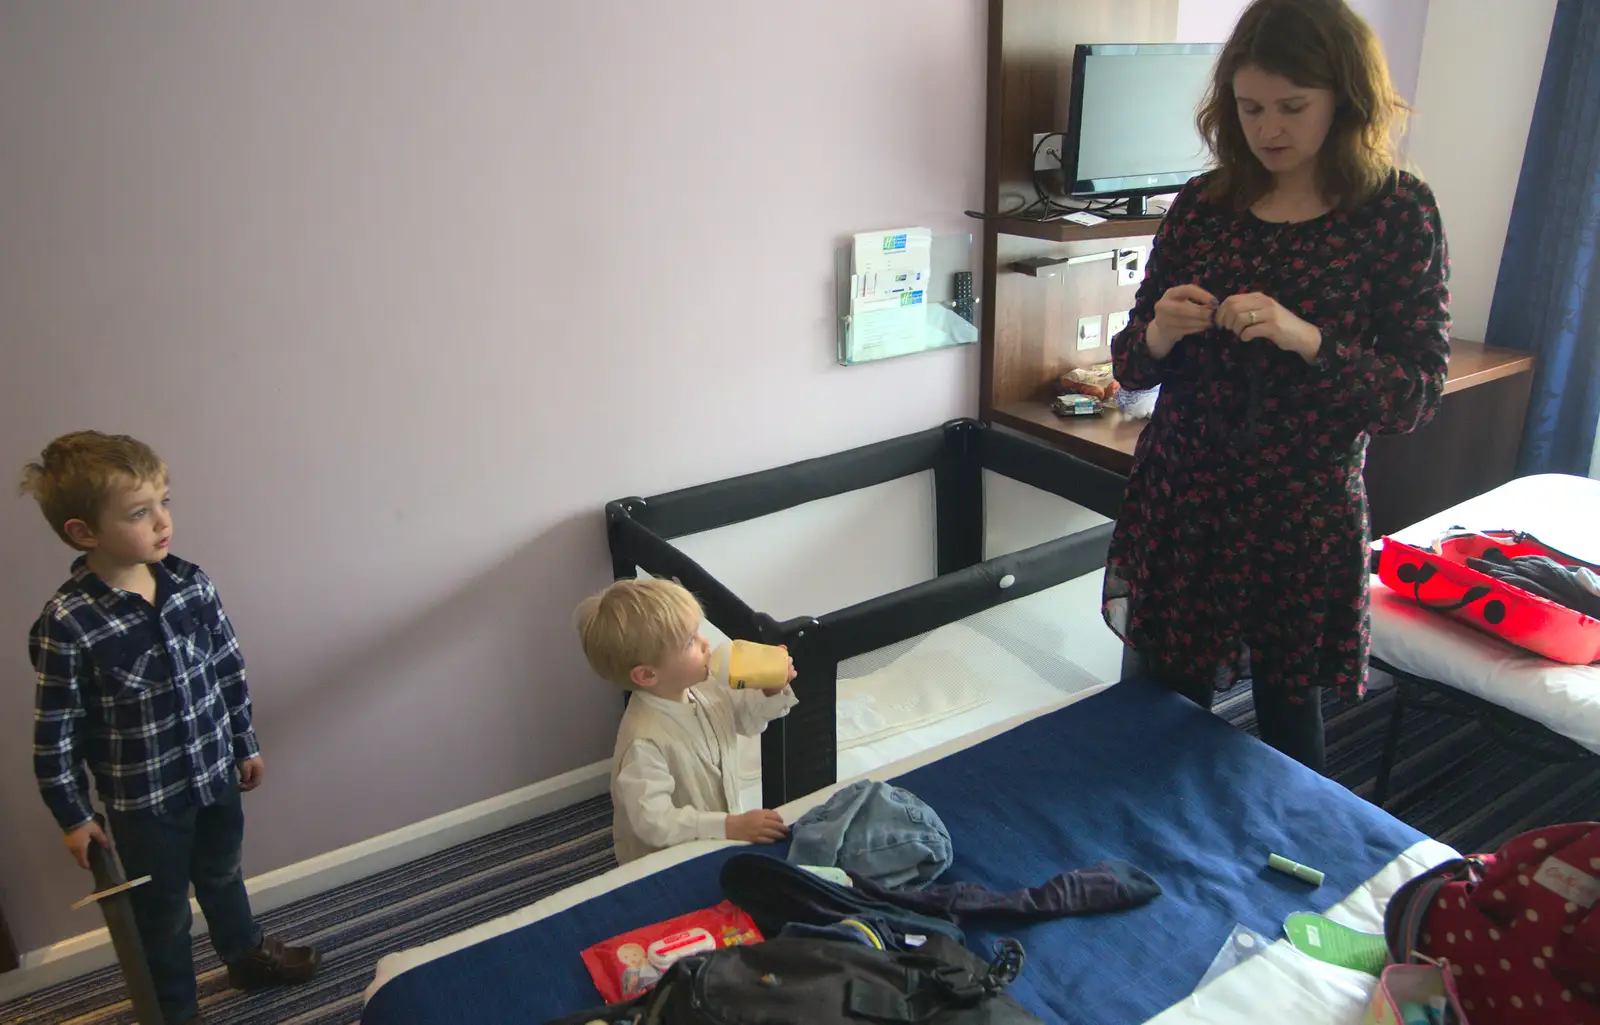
<point x="1097" y="382"/>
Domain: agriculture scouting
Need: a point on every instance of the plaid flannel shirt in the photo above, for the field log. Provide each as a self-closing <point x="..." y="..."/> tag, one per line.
<point x="155" y="702"/>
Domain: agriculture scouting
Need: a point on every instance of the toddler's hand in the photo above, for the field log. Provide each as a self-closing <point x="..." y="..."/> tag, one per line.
<point x="759" y="826"/>
<point x="79" y="839"/>
<point x="252" y="771"/>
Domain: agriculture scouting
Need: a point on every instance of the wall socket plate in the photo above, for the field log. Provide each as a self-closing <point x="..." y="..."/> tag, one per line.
<point x="1130" y="265"/>
<point x="1088" y="333"/>
<point x="1115" y="322"/>
<point x="1044" y="161"/>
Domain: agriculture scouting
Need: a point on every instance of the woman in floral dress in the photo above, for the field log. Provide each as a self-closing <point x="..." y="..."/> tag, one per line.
<point x="1294" y="304"/>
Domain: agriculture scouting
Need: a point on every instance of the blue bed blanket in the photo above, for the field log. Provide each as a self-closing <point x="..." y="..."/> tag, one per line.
<point x="1134" y="773"/>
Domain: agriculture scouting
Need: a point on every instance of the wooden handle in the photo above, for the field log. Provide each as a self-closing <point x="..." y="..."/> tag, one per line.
<point x="100" y="895"/>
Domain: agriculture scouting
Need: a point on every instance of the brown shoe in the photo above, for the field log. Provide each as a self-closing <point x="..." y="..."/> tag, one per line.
<point x="273" y="964"/>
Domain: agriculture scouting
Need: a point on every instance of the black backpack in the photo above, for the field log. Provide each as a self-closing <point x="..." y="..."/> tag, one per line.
<point x="815" y="981"/>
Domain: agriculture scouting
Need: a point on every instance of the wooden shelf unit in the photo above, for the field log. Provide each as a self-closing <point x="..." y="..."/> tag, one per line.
<point x="1109" y="439"/>
<point x="1029" y="324"/>
<point x="1066" y="231"/>
<point x="1106" y="440"/>
<point x="1469" y="447"/>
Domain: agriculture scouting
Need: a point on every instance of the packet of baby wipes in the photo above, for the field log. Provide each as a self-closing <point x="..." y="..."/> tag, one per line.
<point x="625" y="966"/>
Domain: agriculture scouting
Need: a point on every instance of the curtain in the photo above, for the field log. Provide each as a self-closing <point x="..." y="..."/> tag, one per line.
<point x="1547" y="297"/>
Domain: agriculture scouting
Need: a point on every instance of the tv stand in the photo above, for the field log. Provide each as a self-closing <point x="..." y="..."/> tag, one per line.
<point x="1133" y="208"/>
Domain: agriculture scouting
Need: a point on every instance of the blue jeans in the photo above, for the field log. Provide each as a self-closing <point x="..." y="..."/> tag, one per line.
<point x="876" y="830"/>
<point x="200" y="846"/>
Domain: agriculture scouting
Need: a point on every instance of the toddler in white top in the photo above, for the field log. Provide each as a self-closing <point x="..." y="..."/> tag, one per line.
<point x="674" y="772"/>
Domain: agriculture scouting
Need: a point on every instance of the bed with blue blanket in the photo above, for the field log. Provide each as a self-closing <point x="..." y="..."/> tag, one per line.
<point x="1125" y="772"/>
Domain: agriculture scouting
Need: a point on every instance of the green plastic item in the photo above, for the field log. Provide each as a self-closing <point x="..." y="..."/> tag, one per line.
<point x="1304" y="873"/>
<point x="1326" y="940"/>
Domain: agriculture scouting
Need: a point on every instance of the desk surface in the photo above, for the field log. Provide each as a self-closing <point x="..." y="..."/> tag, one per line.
<point x="1474" y="363"/>
<point x="1108" y="440"/>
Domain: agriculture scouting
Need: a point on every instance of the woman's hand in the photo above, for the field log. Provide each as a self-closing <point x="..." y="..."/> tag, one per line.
<point x="1253" y="315"/>
<point x="1182" y="311"/>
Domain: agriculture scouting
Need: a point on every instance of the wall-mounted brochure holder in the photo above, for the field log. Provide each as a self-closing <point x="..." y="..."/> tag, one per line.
<point x="904" y="291"/>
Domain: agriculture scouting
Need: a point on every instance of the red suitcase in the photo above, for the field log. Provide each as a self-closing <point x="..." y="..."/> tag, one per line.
<point x="1441" y="580"/>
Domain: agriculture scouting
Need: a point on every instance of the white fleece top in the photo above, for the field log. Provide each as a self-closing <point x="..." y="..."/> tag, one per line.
<point x="674" y="773"/>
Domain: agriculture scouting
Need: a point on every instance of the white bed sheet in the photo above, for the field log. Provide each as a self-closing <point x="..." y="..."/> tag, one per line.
<point x="1563" y="512"/>
<point x="1308" y="992"/>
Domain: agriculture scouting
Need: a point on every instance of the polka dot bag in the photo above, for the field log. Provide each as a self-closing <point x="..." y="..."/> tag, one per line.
<point x="1518" y="930"/>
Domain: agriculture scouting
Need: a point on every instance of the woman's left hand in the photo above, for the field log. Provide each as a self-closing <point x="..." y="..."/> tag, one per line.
<point x="1253" y="315"/>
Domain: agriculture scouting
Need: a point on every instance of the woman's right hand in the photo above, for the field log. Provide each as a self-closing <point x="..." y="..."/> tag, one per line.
<point x="1184" y="310"/>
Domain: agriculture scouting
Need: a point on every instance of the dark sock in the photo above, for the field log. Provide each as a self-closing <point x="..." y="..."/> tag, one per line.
<point x="1108" y="886"/>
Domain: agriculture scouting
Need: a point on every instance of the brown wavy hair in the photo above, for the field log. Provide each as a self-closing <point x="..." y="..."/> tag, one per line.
<point x="1316" y="44"/>
<point x="78" y="473"/>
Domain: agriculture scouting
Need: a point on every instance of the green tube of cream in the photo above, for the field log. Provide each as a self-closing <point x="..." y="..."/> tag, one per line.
<point x="1304" y="873"/>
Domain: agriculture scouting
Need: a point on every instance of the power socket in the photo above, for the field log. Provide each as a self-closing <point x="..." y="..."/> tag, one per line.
<point x="1088" y="333"/>
<point x="1115" y="322"/>
<point x="1042" y="160"/>
<point x="1130" y="265"/>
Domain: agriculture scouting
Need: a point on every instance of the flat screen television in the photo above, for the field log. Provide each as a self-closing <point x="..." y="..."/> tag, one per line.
<point x="1130" y="128"/>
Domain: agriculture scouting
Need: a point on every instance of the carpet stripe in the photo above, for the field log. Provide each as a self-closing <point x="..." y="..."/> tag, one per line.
<point x="357" y="924"/>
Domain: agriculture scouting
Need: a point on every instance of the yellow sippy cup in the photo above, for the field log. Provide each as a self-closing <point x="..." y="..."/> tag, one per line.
<point x="746" y="665"/>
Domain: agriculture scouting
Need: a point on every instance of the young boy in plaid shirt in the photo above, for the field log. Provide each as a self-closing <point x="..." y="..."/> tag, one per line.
<point x="140" y="678"/>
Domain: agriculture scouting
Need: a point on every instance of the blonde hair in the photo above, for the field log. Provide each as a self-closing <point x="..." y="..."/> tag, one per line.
<point x="635" y="623"/>
<point x="79" y="472"/>
<point x="1317" y="44"/>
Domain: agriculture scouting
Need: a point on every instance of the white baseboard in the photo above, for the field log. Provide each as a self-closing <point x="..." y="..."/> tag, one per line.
<point x="89" y="951"/>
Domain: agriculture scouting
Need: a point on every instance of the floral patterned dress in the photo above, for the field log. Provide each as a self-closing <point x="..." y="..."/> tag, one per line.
<point x="1243" y="538"/>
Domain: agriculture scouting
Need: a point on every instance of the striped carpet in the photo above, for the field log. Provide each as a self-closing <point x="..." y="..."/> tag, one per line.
<point x="1453" y="783"/>
<point x="356" y="924"/>
<point x="1452" y="780"/>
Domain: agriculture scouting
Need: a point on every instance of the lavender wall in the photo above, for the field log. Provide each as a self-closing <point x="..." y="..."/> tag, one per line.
<point x="404" y="294"/>
<point x="1398" y="23"/>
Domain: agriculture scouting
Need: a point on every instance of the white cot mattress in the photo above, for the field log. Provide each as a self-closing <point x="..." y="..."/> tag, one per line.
<point x="1282" y="985"/>
<point x="1560" y="510"/>
<point x="1015" y="658"/>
